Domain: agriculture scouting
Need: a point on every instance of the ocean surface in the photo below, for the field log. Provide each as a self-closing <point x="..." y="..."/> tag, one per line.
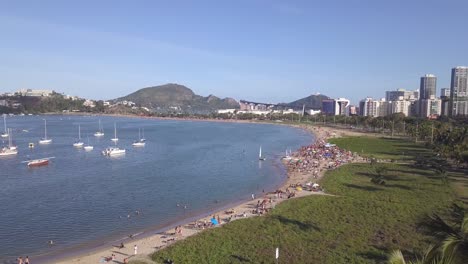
<point x="81" y="198"/>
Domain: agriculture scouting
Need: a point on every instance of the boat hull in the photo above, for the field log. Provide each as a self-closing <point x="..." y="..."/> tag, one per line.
<point x="45" y="141"/>
<point x="37" y="163"/>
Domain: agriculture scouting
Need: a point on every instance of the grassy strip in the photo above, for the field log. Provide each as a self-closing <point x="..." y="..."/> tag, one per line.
<point x="382" y="148"/>
<point x="359" y="225"/>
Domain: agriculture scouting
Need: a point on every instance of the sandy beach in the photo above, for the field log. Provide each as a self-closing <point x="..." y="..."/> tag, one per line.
<point x="153" y="242"/>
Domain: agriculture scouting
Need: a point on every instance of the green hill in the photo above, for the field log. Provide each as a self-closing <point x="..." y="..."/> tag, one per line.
<point x="170" y="96"/>
<point x="311" y="102"/>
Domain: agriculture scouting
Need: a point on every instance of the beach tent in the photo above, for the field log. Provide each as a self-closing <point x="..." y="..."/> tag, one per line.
<point x="315" y="185"/>
<point x="214" y="221"/>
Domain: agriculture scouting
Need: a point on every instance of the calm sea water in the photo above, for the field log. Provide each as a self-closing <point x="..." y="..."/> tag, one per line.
<point x="83" y="197"/>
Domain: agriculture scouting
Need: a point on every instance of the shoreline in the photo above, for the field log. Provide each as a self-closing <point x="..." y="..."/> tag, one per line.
<point x="151" y="241"/>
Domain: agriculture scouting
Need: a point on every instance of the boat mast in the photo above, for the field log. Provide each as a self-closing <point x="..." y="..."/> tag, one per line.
<point x="260" y="153"/>
<point x="115" y="130"/>
<point x="9" y="138"/>
<point x="79" y="132"/>
<point x="4" y="123"/>
<point x="45" y="129"/>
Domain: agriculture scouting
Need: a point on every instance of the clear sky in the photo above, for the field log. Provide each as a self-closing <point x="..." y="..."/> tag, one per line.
<point x="263" y="50"/>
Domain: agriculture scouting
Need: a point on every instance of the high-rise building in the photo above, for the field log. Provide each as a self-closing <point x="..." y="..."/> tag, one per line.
<point x="328" y="106"/>
<point x="427" y="88"/>
<point x="458" y="104"/>
<point x="341" y="106"/>
<point x="401" y="94"/>
<point x="445" y="92"/>
<point x="430" y="107"/>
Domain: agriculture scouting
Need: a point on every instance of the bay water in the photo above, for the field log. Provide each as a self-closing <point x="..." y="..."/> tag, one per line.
<point x="82" y="198"/>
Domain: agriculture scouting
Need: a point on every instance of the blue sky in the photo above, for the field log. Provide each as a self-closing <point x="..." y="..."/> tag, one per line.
<point x="263" y="50"/>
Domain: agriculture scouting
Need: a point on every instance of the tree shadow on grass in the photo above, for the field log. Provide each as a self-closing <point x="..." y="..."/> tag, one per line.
<point x="240" y="258"/>
<point x="363" y="188"/>
<point x="373" y="255"/>
<point x="301" y="225"/>
<point x="399" y="186"/>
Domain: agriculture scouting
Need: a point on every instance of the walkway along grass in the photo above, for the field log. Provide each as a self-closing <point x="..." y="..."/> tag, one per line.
<point x="361" y="224"/>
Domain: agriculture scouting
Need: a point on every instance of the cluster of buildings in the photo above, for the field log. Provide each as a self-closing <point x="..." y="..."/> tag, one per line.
<point x="424" y="102"/>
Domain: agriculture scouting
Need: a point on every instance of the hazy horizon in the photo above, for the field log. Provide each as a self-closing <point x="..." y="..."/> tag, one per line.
<point x="267" y="51"/>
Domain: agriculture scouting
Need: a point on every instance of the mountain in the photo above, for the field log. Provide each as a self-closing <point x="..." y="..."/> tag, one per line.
<point x="311" y="102"/>
<point x="176" y="96"/>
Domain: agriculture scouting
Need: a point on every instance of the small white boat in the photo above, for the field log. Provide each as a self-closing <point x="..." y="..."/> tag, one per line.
<point x="260" y="154"/>
<point x="78" y="143"/>
<point x="10" y="150"/>
<point x="115" y="139"/>
<point x="5" y="133"/>
<point x="88" y="147"/>
<point x="100" y="132"/>
<point x="113" y="151"/>
<point x="45" y="140"/>
<point x="140" y="142"/>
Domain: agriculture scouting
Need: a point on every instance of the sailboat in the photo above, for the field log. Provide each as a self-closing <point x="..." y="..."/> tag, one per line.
<point x="78" y="143"/>
<point x="45" y="140"/>
<point x="288" y="155"/>
<point x="100" y="132"/>
<point x="140" y="142"/>
<point x="115" y="139"/>
<point x="88" y="147"/>
<point x="260" y="154"/>
<point x="4" y="134"/>
<point x="10" y="150"/>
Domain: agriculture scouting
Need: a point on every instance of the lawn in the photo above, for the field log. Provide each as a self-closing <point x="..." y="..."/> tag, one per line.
<point x="382" y="148"/>
<point x="361" y="224"/>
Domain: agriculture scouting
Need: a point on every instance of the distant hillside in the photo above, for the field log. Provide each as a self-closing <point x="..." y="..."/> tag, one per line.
<point x="169" y="96"/>
<point x="311" y="102"/>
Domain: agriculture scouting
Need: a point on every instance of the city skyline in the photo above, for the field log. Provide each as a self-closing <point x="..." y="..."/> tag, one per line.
<point x="266" y="51"/>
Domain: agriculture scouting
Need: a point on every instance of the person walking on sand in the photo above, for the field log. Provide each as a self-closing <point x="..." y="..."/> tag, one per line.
<point x="26" y="260"/>
<point x="253" y="196"/>
<point x="20" y="260"/>
<point x="135" y="250"/>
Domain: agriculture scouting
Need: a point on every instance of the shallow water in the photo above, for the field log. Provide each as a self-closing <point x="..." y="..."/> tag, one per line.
<point x="83" y="196"/>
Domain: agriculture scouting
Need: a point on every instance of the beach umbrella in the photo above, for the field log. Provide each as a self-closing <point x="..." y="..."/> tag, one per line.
<point x="214" y="221"/>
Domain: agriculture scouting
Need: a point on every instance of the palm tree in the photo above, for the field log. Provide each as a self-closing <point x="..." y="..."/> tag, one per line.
<point x="430" y="257"/>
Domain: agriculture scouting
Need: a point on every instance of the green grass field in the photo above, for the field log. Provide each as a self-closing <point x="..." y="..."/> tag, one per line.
<point x="361" y="224"/>
<point x="382" y="148"/>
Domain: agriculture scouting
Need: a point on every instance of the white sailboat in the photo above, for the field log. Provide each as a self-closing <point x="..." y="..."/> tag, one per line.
<point x="260" y="154"/>
<point x="5" y="133"/>
<point x="45" y="140"/>
<point x="115" y="139"/>
<point x="140" y="142"/>
<point x="88" y="147"/>
<point x="78" y="143"/>
<point x="100" y="132"/>
<point x="10" y="150"/>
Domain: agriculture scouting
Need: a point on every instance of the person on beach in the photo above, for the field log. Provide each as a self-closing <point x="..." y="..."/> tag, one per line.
<point x="26" y="260"/>
<point x="135" y="250"/>
<point x="20" y="260"/>
<point x="121" y="245"/>
<point x="253" y="196"/>
<point x="125" y="260"/>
